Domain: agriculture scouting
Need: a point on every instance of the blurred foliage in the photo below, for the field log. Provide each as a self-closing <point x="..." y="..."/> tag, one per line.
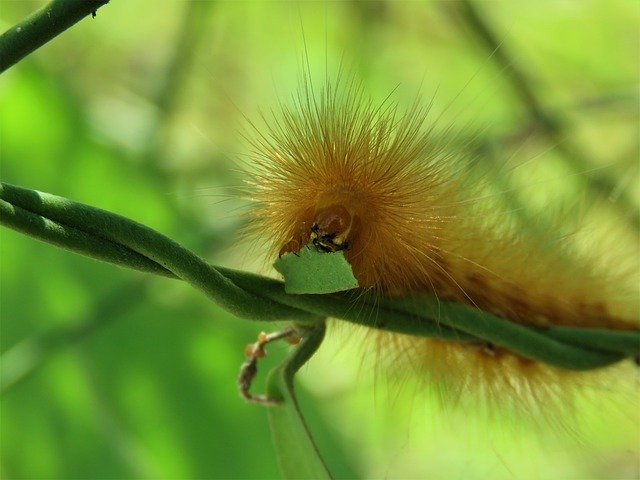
<point x="138" y="111"/>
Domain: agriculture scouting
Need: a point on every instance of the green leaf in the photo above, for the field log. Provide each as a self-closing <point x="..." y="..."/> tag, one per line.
<point x="296" y="452"/>
<point x="312" y="271"/>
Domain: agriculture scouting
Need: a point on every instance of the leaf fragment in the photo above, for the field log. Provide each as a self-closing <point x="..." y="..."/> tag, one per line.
<point x="315" y="272"/>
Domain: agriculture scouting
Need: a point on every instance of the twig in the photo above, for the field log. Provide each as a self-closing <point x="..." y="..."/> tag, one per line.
<point x="256" y="351"/>
<point x="41" y="26"/>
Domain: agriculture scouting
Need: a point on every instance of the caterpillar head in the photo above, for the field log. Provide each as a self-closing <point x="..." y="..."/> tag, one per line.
<point x="332" y="229"/>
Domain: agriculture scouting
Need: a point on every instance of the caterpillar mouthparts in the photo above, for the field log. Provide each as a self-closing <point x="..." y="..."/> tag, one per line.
<point x="331" y="227"/>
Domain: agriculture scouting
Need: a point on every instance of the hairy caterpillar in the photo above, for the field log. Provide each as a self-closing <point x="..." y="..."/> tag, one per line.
<point x="385" y="186"/>
<point x="478" y="233"/>
<point x="347" y="174"/>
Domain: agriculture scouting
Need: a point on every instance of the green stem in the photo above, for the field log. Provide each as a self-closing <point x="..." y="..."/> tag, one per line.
<point x="110" y="237"/>
<point x="123" y="241"/>
<point x="430" y="317"/>
<point x="296" y="452"/>
<point x="76" y="240"/>
<point x="41" y="26"/>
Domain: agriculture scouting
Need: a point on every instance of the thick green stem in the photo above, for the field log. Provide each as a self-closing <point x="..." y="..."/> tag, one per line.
<point x="125" y="242"/>
<point x="41" y="26"/>
<point x="110" y="237"/>
<point x="430" y="317"/>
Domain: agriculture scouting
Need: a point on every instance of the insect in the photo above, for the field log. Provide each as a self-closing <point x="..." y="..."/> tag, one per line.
<point x="345" y="173"/>
<point x="428" y="205"/>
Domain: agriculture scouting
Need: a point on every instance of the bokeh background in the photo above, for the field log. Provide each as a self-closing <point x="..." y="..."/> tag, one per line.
<point x="108" y="373"/>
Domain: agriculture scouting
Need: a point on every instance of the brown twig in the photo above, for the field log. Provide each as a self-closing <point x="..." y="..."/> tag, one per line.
<point x="256" y="351"/>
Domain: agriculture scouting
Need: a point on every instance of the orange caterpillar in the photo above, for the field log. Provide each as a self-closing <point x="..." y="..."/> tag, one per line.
<point x="347" y="174"/>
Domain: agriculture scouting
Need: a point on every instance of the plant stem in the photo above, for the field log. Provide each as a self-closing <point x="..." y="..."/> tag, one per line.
<point x="41" y="26"/>
<point x="125" y="242"/>
<point x="113" y="238"/>
<point x="296" y="451"/>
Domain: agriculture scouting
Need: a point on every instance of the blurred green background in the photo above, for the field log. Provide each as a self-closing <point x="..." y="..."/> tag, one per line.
<point x="112" y="374"/>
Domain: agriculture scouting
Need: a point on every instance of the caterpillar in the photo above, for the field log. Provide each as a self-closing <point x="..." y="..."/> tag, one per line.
<point x="389" y="186"/>
<point x="350" y="175"/>
<point x="386" y="186"/>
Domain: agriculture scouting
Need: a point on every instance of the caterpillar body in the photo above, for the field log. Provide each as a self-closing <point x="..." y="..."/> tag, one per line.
<point x="345" y="173"/>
